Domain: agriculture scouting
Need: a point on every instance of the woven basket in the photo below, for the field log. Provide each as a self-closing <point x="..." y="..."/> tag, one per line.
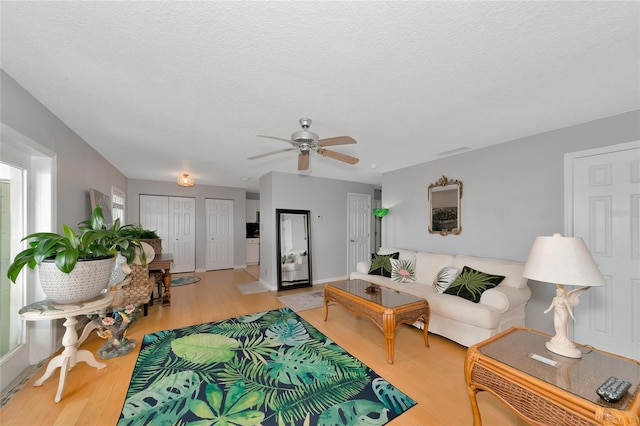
<point x="155" y="243"/>
<point x="87" y="280"/>
<point x="139" y="290"/>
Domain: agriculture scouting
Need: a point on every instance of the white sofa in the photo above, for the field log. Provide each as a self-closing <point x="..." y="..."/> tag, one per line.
<point x="453" y="317"/>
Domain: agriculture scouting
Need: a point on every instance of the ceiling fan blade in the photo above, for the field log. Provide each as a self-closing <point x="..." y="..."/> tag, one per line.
<point x="303" y="161"/>
<point x="255" y="157"/>
<point x="276" y="138"/>
<point x="339" y="140"/>
<point x="338" y="156"/>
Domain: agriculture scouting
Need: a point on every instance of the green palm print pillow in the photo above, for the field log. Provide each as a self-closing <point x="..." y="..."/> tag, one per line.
<point x="381" y="264"/>
<point x="470" y="284"/>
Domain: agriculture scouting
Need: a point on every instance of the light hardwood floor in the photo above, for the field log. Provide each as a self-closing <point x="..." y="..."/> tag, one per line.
<point x="432" y="376"/>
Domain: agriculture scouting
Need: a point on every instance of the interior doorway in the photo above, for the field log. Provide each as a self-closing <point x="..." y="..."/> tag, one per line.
<point x="603" y="207"/>
<point x="359" y="232"/>
<point x="220" y="236"/>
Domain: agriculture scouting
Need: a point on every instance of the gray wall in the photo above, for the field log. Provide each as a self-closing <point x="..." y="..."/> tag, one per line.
<point x="139" y="187"/>
<point x="512" y="193"/>
<point x="327" y="201"/>
<point x="79" y="167"/>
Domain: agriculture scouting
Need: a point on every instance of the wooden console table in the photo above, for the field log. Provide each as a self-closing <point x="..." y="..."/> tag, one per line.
<point x="163" y="263"/>
<point x="46" y="310"/>
<point x="542" y="394"/>
<point x="387" y="308"/>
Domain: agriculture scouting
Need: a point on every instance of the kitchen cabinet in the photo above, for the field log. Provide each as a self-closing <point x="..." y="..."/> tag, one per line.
<point x="253" y="251"/>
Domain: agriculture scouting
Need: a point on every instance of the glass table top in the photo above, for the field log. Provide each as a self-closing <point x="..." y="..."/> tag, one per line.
<point x="581" y="376"/>
<point x="377" y="294"/>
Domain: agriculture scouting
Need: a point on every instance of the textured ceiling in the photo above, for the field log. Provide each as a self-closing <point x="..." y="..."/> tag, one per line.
<point x="188" y="85"/>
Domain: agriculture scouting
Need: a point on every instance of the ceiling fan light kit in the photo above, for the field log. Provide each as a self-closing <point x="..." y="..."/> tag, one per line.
<point x="306" y="141"/>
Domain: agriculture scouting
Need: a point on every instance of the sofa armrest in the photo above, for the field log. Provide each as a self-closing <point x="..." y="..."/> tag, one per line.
<point x="363" y="266"/>
<point x="504" y="297"/>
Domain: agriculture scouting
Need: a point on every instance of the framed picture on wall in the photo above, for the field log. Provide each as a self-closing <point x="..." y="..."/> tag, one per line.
<point x="104" y="201"/>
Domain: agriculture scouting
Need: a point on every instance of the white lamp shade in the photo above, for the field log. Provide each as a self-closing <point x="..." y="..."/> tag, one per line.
<point x="562" y="260"/>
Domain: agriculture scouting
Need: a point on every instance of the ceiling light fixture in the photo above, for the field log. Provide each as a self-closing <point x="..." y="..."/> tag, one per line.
<point x="185" y="180"/>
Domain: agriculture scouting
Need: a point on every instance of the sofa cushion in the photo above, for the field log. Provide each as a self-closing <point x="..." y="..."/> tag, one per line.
<point x="444" y="278"/>
<point x="471" y="283"/>
<point x="403" y="270"/>
<point x="403" y="254"/>
<point x="381" y="264"/>
<point x="512" y="271"/>
<point x="429" y="264"/>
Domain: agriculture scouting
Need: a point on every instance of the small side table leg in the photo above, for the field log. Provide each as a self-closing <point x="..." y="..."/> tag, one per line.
<point x="477" y="421"/>
<point x="68" y="358"/>
<point x="56" y="362"/>
<point x="64" y="369"/>
<point x="84" y="355"/>
<point x="87" y="331"/>
<point x="166" y="298"/>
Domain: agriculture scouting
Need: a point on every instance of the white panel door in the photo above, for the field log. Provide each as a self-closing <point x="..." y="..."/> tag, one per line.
<point x="359" y="214"/>
<point x="606" y="206"/>
<point x="219" y="230"/>
<point x="154" y="215"/>
<point x="182" y="233"/>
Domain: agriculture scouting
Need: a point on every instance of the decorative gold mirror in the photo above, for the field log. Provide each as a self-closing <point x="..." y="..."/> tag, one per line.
<point x="444" y="206"/>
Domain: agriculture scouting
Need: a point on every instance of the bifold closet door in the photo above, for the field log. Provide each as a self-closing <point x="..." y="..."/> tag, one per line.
<point x="154" y="215"/>
<point x="182" y="233"/>
<point x="173" y="219"/>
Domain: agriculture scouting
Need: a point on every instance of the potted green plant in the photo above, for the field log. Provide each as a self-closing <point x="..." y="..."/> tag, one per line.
<point x="75" y="266"/>
<point x="145" y="236"/>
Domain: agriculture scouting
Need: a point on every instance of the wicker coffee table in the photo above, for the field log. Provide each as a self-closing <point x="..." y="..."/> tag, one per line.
<point x="563" y="393"/>
<point x="385" y="307"/>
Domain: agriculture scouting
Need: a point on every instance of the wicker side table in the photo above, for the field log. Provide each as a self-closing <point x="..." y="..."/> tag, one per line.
<point x="563" y="394"/>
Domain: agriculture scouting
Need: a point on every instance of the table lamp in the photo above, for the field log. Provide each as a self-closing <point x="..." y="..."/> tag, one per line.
<point x="563" y="260"/>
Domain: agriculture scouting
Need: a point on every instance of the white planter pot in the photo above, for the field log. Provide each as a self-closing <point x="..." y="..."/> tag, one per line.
<point x="87" y="280"/>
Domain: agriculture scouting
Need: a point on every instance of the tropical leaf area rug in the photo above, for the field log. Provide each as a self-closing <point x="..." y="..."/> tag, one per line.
<point x="268" y="368"/>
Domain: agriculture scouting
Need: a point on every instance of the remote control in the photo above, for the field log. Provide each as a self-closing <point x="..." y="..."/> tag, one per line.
<point x="613" y="389"/>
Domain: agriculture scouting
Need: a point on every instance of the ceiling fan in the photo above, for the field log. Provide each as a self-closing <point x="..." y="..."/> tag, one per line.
<point x="306" y="141"/>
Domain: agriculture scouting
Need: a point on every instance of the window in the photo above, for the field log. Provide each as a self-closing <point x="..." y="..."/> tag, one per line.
<point x="117" y="203"/>
<point x="27" y="172"/>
